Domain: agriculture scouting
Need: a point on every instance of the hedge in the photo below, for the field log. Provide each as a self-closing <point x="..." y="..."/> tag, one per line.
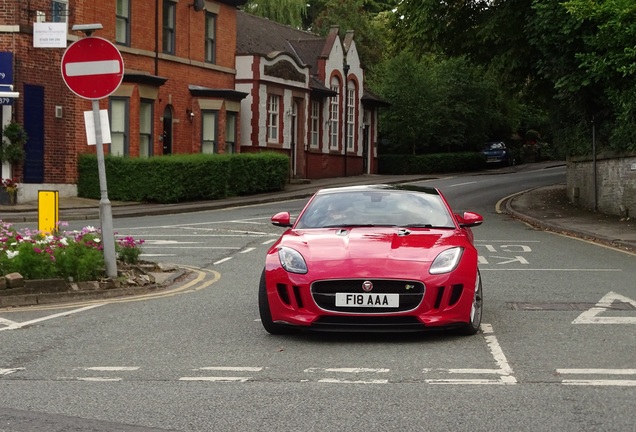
<point x="179" y="178"/>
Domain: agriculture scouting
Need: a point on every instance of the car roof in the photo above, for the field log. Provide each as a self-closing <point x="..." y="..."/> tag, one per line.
<point x="380" y="188"/>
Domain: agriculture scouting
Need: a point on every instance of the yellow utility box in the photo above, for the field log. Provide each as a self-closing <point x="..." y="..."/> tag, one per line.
<point x="48" y="211"/>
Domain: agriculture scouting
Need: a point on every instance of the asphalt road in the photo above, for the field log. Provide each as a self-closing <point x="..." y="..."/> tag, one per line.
<point x="197" y="358"/>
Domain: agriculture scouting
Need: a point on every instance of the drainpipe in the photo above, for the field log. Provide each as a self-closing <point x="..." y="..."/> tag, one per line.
<point x="157" y="38"/>
<point x="345" y="68"/>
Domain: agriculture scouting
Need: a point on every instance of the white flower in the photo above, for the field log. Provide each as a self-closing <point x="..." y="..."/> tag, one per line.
<point x="64" y="241"/>
<point x="11" y="254"/>
<point x="97" y="240"/>
<point x="90" y="228"/>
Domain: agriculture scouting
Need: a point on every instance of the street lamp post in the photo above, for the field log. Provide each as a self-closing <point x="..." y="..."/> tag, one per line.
<point x="345" y="68"/>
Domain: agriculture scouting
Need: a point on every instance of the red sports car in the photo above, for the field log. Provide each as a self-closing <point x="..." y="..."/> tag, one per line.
<point x="373" y="258"/>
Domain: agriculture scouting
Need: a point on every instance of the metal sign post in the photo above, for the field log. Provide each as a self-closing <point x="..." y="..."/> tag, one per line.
<point x="93" y="68"/>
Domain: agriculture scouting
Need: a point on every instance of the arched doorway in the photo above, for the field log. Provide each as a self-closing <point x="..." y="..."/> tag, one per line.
<point x="166" y="135"/>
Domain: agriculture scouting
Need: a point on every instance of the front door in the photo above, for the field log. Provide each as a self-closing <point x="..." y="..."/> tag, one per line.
<point x="33" y="167"/>
<point x="166" y="136"/>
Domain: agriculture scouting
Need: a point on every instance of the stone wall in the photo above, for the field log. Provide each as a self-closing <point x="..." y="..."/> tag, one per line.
<point x="615" y="183"/>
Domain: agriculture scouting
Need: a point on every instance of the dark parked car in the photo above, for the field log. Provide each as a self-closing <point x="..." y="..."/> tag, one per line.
<point x="496" y="153"/>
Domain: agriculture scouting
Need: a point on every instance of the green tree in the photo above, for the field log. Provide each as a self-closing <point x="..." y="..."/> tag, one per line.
<point x="442" y="105"/>
<point x="370" y="33"/>
<point x="289" y="12"/>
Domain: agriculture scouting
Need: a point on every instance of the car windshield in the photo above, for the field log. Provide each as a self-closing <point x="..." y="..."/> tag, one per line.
<point x="495" y="146"/>
<point x="376" y="208"/>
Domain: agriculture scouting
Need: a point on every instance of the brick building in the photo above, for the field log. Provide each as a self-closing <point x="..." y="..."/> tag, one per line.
<point x="295" y="83"/>
<point x="177" y="93"/>
<point x="188" y="86"/>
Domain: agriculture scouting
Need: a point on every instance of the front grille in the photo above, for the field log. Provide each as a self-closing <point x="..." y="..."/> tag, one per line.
<point x="411" y="294"/>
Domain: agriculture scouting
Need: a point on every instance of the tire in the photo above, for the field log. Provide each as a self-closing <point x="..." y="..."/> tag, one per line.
<point x="474" y="319"/>
<point x="265" y="312"/>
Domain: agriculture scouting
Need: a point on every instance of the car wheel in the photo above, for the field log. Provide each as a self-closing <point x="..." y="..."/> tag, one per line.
<point x="265" y="312"/>
<point x="474" y="320"/>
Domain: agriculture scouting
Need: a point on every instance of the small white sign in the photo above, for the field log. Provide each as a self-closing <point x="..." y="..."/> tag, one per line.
<point x="89" y="120"/>
<point x="49" y="35"/>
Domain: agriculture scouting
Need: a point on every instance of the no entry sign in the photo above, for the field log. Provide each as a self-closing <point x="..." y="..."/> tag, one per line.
<point x="92" y="68"/>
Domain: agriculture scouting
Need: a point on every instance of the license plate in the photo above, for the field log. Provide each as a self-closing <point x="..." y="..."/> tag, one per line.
<point x="367" y="300"/>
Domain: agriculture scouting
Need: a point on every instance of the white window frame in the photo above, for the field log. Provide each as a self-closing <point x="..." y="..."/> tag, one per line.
<point x="231" y="121"/>
<point x="315" y="124"/>
<point x="273" y="108"/>
<point x="334" y="120"/>
<point x="122" y="22"/>
<point x="119" y="126"/>
<point x="210" y="39"/>
<point x="209" y="131"/>
<point x="169" y="27"/>
<point x="351" y="120"/>
<point x="58" y="6"/>
<point x="146" y="126"/>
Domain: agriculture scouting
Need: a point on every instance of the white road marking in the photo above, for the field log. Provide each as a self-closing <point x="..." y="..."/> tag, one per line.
<point x="268" y="242"/>
<point x="156" y="255"/>
<point x="597" y="381"/>
<point x="216" y="379"/>
<point x="590" y="316"/>
<point x="9" y="371"/>
<point x="109" y="368"/>
<point x="232" y="368"/>
<point x="7" y="322"/>
<point x="462" y="184"/>
<point x="346" y="370"/>
<point x="166" y="242"/>
<point x="504" y="371"/>
<point x="340" y="381"/>
<point x="222" y="260"/>
<point x="192" y="247"/>
<point x="57" y="315"/>
<point x="495" y="350"/>
<point x="247" y="250"/>
<point x="597" y="371"/>
<point x="98" y="379"/>
<point x="624" y="383"/>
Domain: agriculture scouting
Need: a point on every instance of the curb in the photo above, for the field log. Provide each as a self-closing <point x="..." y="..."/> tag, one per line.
<point x="547" y="226"/>
<point x="47" y="298"/>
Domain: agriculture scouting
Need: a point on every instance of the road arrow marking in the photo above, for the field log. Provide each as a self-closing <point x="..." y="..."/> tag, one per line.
<point x="590" y="316"/>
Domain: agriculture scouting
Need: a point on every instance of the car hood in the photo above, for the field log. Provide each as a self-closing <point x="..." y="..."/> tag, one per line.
<point x="342" y="244"/>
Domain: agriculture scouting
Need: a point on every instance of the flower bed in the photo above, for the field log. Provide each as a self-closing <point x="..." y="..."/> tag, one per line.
<point x="74" y="256"/>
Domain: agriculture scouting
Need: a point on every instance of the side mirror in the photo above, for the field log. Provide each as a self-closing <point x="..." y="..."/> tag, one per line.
<point x="282" y="219"/>
<point x="470" y="219"/>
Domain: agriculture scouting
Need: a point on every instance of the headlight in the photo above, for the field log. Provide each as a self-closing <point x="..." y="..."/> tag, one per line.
<point x="292" y="260"/>
<point x="446" y="261"/>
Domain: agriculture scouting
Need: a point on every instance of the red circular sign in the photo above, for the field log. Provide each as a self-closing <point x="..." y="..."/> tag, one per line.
<point x="92" y="68"/>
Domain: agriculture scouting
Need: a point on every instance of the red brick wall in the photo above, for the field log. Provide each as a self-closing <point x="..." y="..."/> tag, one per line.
<point x="65" y="137"/>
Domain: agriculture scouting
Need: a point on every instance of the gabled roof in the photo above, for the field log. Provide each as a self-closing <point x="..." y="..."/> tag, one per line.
<point x="260" y="36"/>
